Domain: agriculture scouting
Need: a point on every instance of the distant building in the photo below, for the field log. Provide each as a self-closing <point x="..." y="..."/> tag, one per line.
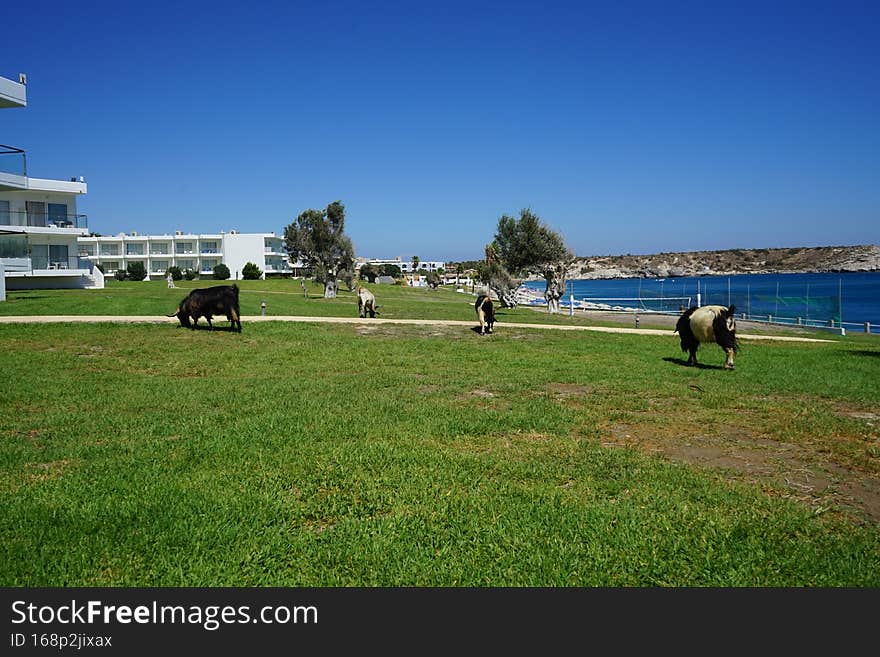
<point x="39" y="223"/>
<point x="423" y="266"/>
<point x="406" y="266"/>
<point x="198" y="252"/>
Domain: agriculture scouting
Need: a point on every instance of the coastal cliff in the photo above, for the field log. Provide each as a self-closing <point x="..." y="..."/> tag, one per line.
<point x="730" y="262"/>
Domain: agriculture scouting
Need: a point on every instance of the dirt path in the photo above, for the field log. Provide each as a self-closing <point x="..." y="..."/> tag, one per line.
<point x="140" y="319"/>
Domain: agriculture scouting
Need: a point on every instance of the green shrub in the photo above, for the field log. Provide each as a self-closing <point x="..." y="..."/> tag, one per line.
<point x="190" y="274"/>
<point x="221" y="272"/>
<point x="136" y="271"/>
<point x="175" y="272"/>
<point x="250" y="272"/>
<point x="121" y="274"/>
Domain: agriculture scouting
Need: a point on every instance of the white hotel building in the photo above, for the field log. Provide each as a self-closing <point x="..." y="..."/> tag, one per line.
<point x="406" y="266"/>
<point x="39" y="223"/>
<point x="198" y="252"/>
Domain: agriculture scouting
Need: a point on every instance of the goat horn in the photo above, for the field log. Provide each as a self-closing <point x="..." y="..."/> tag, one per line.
<point x="175" y="313"/>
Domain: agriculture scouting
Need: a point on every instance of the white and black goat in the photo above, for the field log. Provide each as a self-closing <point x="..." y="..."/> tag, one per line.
<point x="706" y="324"/>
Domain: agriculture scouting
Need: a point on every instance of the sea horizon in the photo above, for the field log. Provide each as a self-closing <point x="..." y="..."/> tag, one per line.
<point x="807" y="298"/>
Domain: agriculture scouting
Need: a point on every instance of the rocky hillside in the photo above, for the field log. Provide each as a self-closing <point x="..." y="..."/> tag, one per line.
<point x="733" y="261"/>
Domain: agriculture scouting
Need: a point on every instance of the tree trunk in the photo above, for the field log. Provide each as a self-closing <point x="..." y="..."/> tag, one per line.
<point x="555" y="277"/>
<point x="330" y="289"/>
<point x="506" y="296"/>
<point x="509" y="299"/>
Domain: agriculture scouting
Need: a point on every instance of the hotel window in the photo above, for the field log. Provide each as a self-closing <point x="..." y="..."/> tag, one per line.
<point x="209" y="247"/>
<point x="184" y="247"/>
<point x="109" y="249"/>
<point x="4" y="213"/>
<point x="58" y="256"/>
<point x="36" y="213"/>
<point x="58" y="215"/>
<point x="159" y="249"/>
<point x="134" y="249"/>
<point x="39" y="256"/>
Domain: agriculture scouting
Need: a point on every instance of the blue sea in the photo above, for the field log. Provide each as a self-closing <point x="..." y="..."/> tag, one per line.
<point x="809" y="299"/>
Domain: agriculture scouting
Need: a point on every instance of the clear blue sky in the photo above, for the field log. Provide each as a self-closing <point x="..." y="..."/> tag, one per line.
<point x="627" y="127"/>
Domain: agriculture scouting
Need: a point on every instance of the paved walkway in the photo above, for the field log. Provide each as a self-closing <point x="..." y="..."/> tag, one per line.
<point x="154" y="319"/>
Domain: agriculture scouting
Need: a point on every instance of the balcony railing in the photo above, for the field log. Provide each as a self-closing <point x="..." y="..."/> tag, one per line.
<point x="13" y="160"/>
<point x="40" y="220"/>
<point x="71" y="262"/>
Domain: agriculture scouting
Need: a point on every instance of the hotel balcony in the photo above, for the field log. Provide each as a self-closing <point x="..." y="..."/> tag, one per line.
<point x="13" y="169"/>
<point x="44" y="264"/>
<point x="13" y="161"/>
<point x="14" y="176"/>
<point x="12" y="93"/>
<point x="24" y="219"/>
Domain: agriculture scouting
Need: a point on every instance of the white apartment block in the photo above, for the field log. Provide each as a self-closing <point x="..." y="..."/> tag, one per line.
<point x="39" y="223"/>
<point x="198" y="252"/>
<point x="423" y="266"/>
<point x="406" y="266"/>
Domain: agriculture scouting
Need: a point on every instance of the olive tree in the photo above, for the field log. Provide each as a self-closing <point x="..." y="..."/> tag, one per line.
<point x="491" y="272"/>
<point x="318" y="239"/>
<point x="526" y="245"/>
<point x="369" y="273"/>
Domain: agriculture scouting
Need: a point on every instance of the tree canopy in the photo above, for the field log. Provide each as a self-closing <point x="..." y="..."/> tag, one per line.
<point x="221" y="272"/>
<point x="524" y="246"/>
<point x="251" y="272"/>
<point x="136" y="271"/>
<point x="318" y="239"/>
<point x="369" y="273"/>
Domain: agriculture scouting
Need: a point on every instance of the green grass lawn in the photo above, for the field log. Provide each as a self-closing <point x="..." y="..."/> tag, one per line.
<point x="390" y="455"/>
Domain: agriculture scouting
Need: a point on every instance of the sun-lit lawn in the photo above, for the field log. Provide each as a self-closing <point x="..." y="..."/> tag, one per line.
<point x="387" y="455"/>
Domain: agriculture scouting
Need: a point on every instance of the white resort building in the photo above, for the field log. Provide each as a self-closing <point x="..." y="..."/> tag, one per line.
<point x="197" y="252"/>
<point x="39" y="223"/>
<point x="406" y="266"/>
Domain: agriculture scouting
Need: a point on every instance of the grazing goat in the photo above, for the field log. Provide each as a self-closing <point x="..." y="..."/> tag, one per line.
<point x="366" y="302"/>
<point x="485" y="313"/>
<point x="207" y="302"/>
<point x="708" y="324"/>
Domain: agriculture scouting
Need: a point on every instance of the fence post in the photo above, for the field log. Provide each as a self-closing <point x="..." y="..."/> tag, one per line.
<point x="769" y="319"/>
<point x="800" y="321"/>
<point x="867" y="327"/>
